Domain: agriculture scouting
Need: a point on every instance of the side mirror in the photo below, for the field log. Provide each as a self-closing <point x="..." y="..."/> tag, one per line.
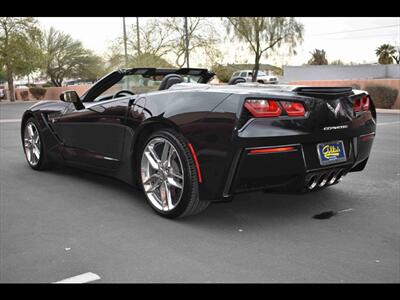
<point x="72" y="97"/>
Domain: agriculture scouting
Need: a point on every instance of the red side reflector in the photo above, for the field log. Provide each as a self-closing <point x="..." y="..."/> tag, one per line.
<point x="365" y="103"/>
<point x="261" y="108"/>
<point x="271" y="150"/>
<point x="293" y="109"/>
<point x="367" y="137"/>
<point x="196" y="162"/>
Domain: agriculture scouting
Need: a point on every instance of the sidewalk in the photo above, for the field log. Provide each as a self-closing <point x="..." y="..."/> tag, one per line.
<point x="19" y="101"/>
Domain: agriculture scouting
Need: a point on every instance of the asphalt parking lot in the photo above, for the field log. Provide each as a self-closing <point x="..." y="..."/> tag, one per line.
<point x="61" y="223"/>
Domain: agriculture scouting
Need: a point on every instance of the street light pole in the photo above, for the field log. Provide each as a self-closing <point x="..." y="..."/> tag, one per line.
<point x="125" y="47"/>
<point x="137" y="35"/>
<point x="187" y="43"/>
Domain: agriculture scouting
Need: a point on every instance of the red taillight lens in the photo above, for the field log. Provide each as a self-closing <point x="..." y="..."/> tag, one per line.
<point x="365" y="103"/>
<point x="361" y="104"/>
<point x="357" y="105"/>
<point x="293" y="109"/>
<point x="261" y="108"/>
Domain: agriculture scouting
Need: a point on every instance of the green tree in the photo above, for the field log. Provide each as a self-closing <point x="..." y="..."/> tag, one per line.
<point x="19" y="48"/>
<point x="387" y="53"/>
<point x="154" y="39"/>
<point x="116" y="60"/>
<point x="154" y="45"/>
<point x="318" y="57"/>
<point x="265" y="34"/>
<point x="65" y="57"/>
<point x="201" y="34"/>
<point x="337" y="62"/>
<point x="149" y="59"/>
<point x="3" y="76"/>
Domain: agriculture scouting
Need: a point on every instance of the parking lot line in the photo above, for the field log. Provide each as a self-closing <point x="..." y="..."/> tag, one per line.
<point x="10" y="120"/>
<point x="82" y="278"/>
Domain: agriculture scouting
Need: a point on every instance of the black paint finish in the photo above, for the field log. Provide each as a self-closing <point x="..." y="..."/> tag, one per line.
<point x="104" y="136"/>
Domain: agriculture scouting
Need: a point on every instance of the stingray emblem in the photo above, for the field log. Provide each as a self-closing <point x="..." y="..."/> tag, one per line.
<point x="334" y="110"/>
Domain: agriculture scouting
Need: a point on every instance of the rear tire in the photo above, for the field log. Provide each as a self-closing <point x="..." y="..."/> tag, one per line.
<point x="168" y="175"/>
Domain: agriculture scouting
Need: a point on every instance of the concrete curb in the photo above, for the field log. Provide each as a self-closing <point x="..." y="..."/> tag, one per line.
<point x="388" y="111"/>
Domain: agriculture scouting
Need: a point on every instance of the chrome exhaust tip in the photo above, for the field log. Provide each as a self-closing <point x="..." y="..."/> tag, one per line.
<point x="332" y="177"/>
<point x="312" y="183"/>
<point x="340" y="176"/>
<point x="323" y="180"/>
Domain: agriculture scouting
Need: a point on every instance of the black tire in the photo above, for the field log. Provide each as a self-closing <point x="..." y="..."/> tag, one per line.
<point x="43" y="162"/>
<point x="189" y="204"/>
<point x="236" y="80"/>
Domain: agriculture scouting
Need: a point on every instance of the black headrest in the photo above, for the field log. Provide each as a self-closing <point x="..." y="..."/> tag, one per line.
<point x="169" y="80"/>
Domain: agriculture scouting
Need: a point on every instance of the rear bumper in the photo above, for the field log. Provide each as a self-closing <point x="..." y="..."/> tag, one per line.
<point x="299" y="167"/>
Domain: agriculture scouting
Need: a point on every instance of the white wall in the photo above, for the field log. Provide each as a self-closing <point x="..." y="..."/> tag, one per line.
<point x="332" y="72"/>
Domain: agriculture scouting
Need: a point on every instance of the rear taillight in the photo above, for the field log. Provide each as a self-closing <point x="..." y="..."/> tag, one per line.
<point x="365" y="103"/>
<point x="361" y="104"/>
<point x="293" y="109"/>
<point x="261" y="108"/>
<point x="357" y="105"/>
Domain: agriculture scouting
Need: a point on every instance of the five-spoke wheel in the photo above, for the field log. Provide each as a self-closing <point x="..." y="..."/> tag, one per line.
<point x="168" y="175"/>
<point x="162" y="174"/>
<point x="32" y="143"/>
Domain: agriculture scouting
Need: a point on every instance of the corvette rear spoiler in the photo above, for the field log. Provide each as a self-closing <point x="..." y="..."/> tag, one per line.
<point x="324" y="92"/>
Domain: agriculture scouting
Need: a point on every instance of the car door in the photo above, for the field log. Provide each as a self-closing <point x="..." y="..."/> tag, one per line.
<point x="94" y="135"/>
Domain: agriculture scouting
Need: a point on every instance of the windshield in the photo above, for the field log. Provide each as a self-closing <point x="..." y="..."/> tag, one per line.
<point x="137" y="84"/>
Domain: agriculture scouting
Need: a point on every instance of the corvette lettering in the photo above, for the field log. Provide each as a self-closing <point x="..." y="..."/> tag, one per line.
<point x="336" y="127"/>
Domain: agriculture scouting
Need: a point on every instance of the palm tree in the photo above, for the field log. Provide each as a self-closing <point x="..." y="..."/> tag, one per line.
<point x="386" y="53"/>
<point x="318" y="57"/>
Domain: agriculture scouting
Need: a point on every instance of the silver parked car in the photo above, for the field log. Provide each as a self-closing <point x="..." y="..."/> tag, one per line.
<point x="262" y="77"/>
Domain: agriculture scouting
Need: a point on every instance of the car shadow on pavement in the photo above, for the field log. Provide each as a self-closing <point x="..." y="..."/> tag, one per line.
<point x="272" y="209"/>
<point x="256" y="208"/>
<point x="94" y="178"/>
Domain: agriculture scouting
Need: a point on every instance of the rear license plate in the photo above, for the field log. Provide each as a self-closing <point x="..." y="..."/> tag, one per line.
<point x="331" y="153"/>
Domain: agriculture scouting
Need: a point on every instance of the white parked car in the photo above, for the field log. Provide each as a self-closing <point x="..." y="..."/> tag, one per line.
<point x="262" y="77"/>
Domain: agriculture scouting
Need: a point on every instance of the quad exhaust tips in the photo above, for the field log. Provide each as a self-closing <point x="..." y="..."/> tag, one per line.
<point x="312" y="183"/>
<point x="323" y="179"/>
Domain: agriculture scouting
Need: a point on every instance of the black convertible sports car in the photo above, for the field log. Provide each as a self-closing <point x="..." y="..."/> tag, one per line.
<point x="187" y="143"/>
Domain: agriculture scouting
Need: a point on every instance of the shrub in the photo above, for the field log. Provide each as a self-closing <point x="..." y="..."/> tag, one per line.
<point x="48" y="84"/>
<point x="223" y="73"/>
<point x="37" y="92"/>
<point x="24" y="95"/>
<point x="383" y="96"/>
<point x="356" y="86"/>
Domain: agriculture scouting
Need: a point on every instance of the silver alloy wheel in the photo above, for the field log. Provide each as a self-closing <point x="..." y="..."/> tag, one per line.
<point x="162" y="174"/>
<point x="32" y="143"/>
